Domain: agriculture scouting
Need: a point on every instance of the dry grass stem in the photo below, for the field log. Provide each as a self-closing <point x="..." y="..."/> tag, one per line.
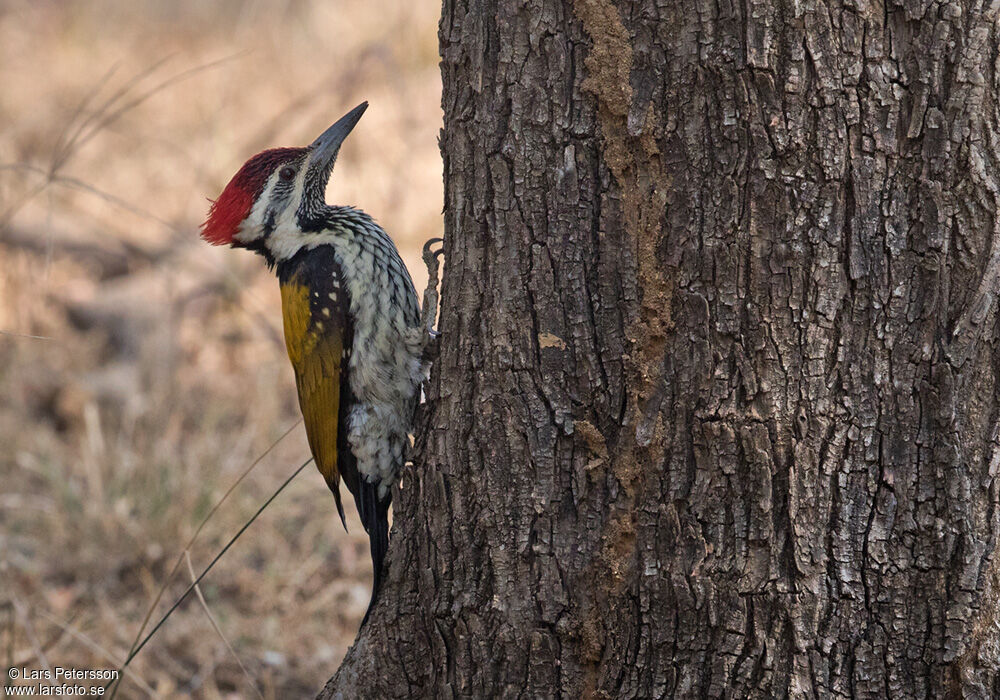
<point x="167" y="375"/>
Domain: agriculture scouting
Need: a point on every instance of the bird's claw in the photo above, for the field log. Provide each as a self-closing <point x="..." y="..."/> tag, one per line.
<point x="431" y="257"/>
<point x="428" y="250"/>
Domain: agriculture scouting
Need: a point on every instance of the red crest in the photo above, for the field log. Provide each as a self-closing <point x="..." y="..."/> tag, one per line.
<point x="236" y="201"/>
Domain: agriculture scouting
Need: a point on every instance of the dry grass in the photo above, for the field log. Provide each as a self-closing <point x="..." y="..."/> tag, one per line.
<point x="161" y="374"/>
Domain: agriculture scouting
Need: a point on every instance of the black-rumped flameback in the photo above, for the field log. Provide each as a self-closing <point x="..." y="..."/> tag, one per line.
<point x="351" y="319"/>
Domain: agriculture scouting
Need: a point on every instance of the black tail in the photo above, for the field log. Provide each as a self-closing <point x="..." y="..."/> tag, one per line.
<point x="375" y="518"/>
<point x="335" y="488"/>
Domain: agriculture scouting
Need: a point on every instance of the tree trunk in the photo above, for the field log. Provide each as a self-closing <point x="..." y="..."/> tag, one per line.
<point x="715" y="412"/>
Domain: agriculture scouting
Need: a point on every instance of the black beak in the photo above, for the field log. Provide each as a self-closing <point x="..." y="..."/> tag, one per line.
<point x="324" y="150"/>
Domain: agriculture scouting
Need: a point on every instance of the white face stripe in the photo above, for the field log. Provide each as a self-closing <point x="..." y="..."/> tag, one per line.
<point x="252" y="227"/>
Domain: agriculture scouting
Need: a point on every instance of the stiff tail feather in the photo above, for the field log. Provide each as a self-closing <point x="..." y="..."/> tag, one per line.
<point x="375" y="518"/>
<point x="335" y="488"/>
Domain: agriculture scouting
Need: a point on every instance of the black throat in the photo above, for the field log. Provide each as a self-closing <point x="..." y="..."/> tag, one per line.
<point x="316" y="267"/>
<point x="259" y="246"/>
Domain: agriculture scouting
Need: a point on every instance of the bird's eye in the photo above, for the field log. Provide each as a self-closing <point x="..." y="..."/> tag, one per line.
<point x="287" y="173"/>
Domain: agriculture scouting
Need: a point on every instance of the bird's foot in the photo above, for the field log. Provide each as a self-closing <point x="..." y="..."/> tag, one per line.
<point x="432" y="259"/>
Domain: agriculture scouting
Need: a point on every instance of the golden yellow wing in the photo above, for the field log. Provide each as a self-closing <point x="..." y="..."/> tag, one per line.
<point x="315" y="344"/>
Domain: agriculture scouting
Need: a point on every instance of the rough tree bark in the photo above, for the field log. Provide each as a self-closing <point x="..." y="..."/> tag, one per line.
<point x="716" y="410"/>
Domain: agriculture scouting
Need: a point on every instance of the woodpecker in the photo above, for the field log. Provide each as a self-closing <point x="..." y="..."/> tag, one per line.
<point x="352" y="326"/>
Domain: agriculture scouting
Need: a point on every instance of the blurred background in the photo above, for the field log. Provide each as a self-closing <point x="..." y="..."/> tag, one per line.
<point x="142" y="371"/>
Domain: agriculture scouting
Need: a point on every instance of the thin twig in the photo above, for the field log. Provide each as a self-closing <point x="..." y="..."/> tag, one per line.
<point x="77" y="184"/>
<point x="202" y="575"/>
<point x="26" y="335"/>
<point x="17" y="206"/>
<point x="107" y="113"/>
<point x="201" y="526"/>
<point x="113" y="199"/>
<point x="8" y="626"/>
<point x="84" y="103"/>
<point x="95" y="647"/>
<point x="47" y="645"/>
<point x="63" y="154"/>
<point x="218" y="630"/>
<point x="29" y="631"/>
<point x="113" y="116"/>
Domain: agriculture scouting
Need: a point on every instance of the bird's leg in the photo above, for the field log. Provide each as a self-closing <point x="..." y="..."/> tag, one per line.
<point x="425" y="336"/>
<point x="431" y="258"/>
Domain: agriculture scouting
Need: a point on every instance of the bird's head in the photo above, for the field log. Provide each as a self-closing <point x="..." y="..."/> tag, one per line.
<point x="275" y="192"/>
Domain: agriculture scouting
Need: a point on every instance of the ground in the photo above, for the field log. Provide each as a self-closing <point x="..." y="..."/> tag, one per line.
<point x="157" y="372"/>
